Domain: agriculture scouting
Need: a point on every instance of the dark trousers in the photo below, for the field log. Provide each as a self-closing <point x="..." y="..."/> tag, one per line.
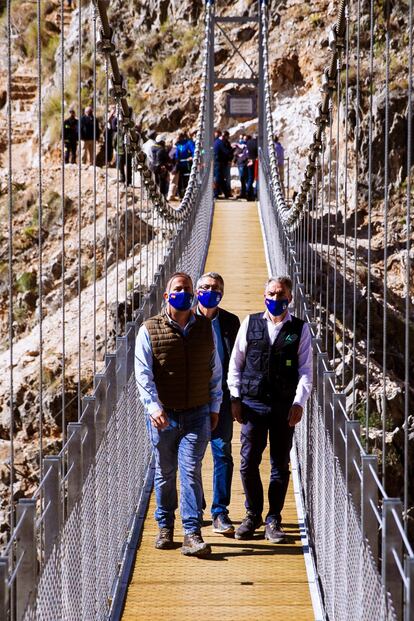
<point x="250" y="183"/>
<point x="70" y="151"/>
<point x="123" y="161"/>
<point x="255" y="430"/>
<point x="220" y="180"/>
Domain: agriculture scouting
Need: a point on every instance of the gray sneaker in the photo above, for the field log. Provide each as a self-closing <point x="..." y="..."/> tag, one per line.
<point x="194" y="545"/>
<point x="164" y="540"/>
<point x="222" y="524"/>
<point x="274" y="532"/>
<point x="248" y="526"/>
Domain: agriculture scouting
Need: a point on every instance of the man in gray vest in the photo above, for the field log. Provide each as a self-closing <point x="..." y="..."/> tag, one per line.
<point x="178" y="374"/>
<point x="270" y="379"/>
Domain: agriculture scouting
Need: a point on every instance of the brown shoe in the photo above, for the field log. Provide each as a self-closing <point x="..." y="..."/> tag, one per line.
<point x="164" y="540"/>
<point x="193" y="545"/>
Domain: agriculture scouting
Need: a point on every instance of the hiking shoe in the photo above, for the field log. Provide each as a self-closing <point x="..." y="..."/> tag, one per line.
<point x="222" y="524"/>
<point x="248" y="526"/>
<point x="164" y="540"/>
<point x="274" y="532"/>
<point x="193" y="545"/>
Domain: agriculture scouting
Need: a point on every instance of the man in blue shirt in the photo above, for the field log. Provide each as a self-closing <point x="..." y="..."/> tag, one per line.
<point x="178" y="373"/>
<point x="210" y="290"/>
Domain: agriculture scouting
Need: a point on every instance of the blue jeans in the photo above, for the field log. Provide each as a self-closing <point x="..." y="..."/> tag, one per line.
<point x="180" y="446"/>
<point x="223" y="461"/>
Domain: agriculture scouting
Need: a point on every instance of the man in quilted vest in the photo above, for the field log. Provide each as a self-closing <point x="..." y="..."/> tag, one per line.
<point x="270" y="379"/>
<point x="178" y="373"/>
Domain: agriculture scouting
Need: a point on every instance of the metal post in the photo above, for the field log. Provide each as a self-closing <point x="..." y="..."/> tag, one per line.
<point x="352" y="459"/>
<point x="409" y="591"/>
<point x="322" y="365"/>
<point x="26" y="555"/>
<point x="121" y="365"/>
<point x="52" y="502"/>
<point x="100" y="407"/>
<point x="89" y="442"/>
<point x="328" y="390"/>
<point x="369" y="496"/>
<point x="130" y="353"/>
<point x="339" y="402"/>
<point x="111" y="379"/>
<point x="392" y="545"/>
<point x="316" y="348"/>
<point x="4" y="590"/>
<point x="74" y="461"/>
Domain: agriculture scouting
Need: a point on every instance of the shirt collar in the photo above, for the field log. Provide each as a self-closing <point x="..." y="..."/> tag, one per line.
<point x="177" y="325"/>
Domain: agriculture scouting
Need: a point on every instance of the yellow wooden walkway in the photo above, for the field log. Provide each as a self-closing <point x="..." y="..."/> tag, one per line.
<point x="242" y="580"/>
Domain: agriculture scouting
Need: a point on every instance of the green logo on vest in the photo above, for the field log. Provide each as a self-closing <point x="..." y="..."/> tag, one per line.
<point x="291" y="338"/>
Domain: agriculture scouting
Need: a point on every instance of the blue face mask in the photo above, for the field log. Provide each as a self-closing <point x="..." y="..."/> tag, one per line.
<point x="181" y="300"/>
<point x="209" y="298"/>
<point x="276" y="307"/>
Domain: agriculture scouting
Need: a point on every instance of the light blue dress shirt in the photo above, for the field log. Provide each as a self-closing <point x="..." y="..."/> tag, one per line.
<point x="145" y="378"/>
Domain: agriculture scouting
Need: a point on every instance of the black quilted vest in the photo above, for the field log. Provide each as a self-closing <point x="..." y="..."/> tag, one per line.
<point x="270" y="375"/>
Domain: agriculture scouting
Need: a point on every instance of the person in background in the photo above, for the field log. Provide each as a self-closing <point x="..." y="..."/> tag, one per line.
<point x="70" y="136"/>
<point x="241" y="157"/>
<point x="110" y="131"/>
<point x="162" y="164"/>
<point x="89" y="129"/>
<point x="147" y="148"/>
<point x="230" y="156"/>
<point x="210" y="290"/>
<point x="270" y="380"/>
<point x="178" y="375"/>
<point x="191" y="142"/>
<point x="221" y="162"/>
<point x="280" y="155"/>
<point x="183" y="160"/>
<point x="251" y="144"/>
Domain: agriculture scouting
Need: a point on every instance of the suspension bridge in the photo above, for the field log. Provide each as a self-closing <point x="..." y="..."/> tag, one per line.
<point x="81" y="546"/>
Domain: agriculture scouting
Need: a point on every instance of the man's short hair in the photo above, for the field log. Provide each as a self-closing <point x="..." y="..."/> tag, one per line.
<point x="177" y="275"/>
<point x="286" y="281"/>
<point x="214" y="275"/>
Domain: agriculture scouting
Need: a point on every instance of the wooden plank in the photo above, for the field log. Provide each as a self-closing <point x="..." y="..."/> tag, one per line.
<point x="242" y="580"/>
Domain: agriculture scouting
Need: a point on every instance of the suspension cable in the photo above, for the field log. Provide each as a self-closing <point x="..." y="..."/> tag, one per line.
<point x="369" y="232"/>
<point x="386" y="191"/>
<point x="80" y="209"/>
<point x="10" y="262"/>
<point x="356" y="192"/>
<point x="63" y="216"/>
<point x="408" y="266"/>
<point x="40" y="224"/>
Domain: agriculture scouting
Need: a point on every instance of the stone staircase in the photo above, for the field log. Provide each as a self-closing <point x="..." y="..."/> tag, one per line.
<point x="23" y="91"/>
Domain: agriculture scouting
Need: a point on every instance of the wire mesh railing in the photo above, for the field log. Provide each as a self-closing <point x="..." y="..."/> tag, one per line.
<point x="359" y="534"/>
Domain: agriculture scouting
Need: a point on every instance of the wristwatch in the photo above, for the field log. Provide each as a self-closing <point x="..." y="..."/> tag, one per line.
<point x="232" y="399"/>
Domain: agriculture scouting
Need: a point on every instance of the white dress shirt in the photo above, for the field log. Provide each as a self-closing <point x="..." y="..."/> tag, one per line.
<point x="238" y="357"/>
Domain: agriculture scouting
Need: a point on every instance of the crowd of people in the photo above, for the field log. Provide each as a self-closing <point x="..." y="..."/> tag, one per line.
<point x="197" y="369"/>
<point x="170" y="161"/>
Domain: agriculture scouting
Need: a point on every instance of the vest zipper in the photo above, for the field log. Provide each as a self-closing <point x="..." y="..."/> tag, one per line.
<point x="186" y="375"/>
